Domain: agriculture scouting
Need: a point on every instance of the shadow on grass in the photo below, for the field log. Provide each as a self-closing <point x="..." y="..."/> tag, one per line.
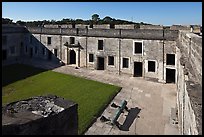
<point x="15" y="72"/>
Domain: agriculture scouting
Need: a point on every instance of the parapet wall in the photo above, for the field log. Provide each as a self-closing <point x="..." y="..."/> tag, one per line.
<point x="13" y="29"/>
<point x="103" y="26"/>
<point x="153" y="34"/>
<point x="189" y="96"/>
<point x="191" y="46"/>
<point x="151" y="27"/>
<point x="128" y="26"/>
<point x="180" y="27"/>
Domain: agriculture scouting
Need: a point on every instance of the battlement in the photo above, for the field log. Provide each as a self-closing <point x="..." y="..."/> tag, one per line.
<point x="13" y="29"/>
<point x="154" y="34"/>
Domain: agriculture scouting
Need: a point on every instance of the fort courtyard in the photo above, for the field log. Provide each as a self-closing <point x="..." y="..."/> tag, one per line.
<point x="154" y="66"/>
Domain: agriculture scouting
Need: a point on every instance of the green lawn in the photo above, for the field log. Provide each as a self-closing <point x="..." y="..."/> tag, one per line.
<point x="91" y="96"/>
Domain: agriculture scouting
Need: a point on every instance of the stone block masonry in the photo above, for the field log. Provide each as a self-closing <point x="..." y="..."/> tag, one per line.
<point x="42" y="115"/>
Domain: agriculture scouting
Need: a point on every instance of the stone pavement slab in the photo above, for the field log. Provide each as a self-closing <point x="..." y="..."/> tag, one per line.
<point x="150" y="104"/>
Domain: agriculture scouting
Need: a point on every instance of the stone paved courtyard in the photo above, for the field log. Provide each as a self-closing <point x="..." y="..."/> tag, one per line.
<point x="150" y="104"/>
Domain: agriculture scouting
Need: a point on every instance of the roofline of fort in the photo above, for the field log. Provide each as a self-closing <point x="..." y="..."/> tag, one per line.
<point x="148" y="34"/>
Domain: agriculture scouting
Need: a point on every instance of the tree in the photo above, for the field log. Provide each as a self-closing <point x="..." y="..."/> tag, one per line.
<point x="7" y="21"/>
<point x="53" y="22"/>
<point x="107" y="19"/>
<point x="79" y="21"/>
<point x="22" y="23"/>
<point x="95" y="17"/>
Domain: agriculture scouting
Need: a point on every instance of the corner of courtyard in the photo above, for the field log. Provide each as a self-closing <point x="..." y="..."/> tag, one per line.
<point x="151" y="104"/>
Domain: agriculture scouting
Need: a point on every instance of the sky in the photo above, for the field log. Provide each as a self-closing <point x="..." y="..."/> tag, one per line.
<point x="158" y="13"/>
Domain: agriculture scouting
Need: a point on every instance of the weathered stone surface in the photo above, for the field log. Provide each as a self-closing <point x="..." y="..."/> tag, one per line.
<point x="42" y="115"/>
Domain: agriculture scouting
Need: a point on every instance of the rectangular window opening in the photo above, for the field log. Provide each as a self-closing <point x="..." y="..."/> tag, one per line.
<point x="138" y="48"/>
<point x="72" y="40"/>
<point x="100" y="44"/>
<point x="4" y="40"/>
<point x="91" y="58"/>
<point x="151" y="66"/>
<point x="48" y="40"/>
<point x="170" y="59"/>
<point x="110" y="60"/>
<point x="125" y="62"/>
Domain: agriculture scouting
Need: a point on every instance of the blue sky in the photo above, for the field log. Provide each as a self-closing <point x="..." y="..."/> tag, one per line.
<point x="163" y="13"/>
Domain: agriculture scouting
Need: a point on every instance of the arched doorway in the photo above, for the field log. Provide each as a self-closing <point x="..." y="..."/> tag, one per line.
<point x="72" y="57"/>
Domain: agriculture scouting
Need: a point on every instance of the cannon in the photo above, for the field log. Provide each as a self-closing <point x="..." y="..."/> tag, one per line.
<point x="117" y="113"/>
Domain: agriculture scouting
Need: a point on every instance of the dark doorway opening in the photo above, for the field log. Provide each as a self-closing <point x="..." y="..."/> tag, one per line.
<point x="49" y="55"/>
<point x="72" y="57"/>
<point x="170" y="75"/>
<point x="4" y="54"/>
<point x="137" y="69"/>
<point x="55" y="52"/>
<point x="31" y="52"/>
<point x="100" y="64"/>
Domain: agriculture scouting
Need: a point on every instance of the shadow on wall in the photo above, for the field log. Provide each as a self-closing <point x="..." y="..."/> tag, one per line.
<point x="132" y="114"/>
<point x="37" y="50"/>
<point x="34" y="58"/>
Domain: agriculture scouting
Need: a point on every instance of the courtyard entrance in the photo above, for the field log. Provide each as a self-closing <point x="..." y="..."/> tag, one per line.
<point x="137" y="69"/>
<point x="100" y="63"/>
<point x="170" y="75"/>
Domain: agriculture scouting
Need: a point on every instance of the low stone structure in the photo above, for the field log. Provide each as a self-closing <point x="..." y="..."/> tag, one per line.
<point x="42" y="115"/>
<point x="179" y="27"/>
<point x="51" y="26"/>
<point x="103" y="26"/>
<point x="83" y="26"/>
<point x="151" y="27"/>
<point x="125" y="26"/>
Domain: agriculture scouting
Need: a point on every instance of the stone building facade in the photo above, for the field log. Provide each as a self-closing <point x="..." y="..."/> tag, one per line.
<point x="118" y="50"/>
<point x="153" y="54"/>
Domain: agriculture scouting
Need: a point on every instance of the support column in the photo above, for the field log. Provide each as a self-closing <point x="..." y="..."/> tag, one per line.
<point x="79" y="57"/>
<point x="119" y="52"/>
<point x="86" y="47"/>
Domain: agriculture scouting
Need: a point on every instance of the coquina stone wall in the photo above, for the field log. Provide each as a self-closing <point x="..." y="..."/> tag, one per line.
<point x="189" y="86"/>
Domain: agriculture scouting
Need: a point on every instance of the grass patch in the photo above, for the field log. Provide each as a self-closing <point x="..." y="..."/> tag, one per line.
<point x="17" y="72"/>
<point x="91" y="96"/>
